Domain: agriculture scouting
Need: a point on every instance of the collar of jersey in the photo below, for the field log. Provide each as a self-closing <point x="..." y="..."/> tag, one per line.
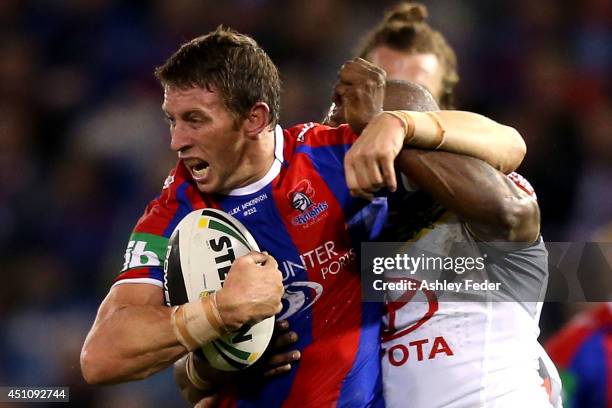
<point x="272" y="172"/>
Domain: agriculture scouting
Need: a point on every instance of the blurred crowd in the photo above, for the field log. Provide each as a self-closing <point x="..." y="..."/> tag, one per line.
<point x="83" y="145"/>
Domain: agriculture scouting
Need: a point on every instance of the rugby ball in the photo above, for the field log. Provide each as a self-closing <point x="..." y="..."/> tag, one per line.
<point x="200" y="253"/>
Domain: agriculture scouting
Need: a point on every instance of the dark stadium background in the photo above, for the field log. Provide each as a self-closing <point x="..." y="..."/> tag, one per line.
<point x="83" y="146"/>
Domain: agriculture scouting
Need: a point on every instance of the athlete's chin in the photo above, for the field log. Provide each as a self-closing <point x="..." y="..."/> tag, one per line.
<point x="214" y="185"/>
<point x="208" y="186"/>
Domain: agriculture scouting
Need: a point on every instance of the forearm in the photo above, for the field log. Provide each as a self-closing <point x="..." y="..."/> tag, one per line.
<point x="130" y="343"/>
<point x="480" y="195"/>
<point x="135" y="335"/>
<point x="465" y="133"/>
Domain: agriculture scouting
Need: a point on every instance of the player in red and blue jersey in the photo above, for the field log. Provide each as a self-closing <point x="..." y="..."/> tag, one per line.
<point x="583" y="352"/>
<point x="298" y="212"/>
<point x="291" y="190"/>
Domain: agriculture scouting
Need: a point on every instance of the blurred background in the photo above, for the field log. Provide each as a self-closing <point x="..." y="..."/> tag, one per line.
<point x="83" y="146"/>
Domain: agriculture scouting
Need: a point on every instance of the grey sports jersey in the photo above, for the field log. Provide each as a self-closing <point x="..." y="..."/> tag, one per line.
<point x="472" y="344"/>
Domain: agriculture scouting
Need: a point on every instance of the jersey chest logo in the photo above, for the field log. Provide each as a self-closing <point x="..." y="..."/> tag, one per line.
<point x="298" y="297"/>
<point x="307" y="210"/>
<point x="428" y="348"/>
<point x="391" y="332"/>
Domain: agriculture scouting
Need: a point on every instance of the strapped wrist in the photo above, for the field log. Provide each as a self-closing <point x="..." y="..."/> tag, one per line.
<point x="214" y="316"/>
<point x="194" y="377"/>
<point x="197" y="323"/>
<point x="423" y="129"/>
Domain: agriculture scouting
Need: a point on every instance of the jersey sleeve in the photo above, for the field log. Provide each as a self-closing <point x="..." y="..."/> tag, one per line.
<point x="146" y="248"/>
<point x="326" y="136"/>
<point x="313" y="135"/>
<point x="522" y="183"/>
<point x="525" y="186"/>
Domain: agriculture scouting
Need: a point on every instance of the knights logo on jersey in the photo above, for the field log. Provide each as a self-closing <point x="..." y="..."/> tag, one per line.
<point x="302" y="200"/>
<point x="301" y="196"/>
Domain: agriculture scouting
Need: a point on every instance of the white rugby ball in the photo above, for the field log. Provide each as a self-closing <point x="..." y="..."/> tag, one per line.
<point x="200" y="253"/>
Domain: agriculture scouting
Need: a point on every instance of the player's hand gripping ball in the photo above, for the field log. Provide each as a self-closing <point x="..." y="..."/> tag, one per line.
<point x="200" y="253"/>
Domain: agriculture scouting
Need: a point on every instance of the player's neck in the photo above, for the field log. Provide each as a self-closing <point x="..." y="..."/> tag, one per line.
<point x="261" y="157"/>
<point x="257" y="160"/>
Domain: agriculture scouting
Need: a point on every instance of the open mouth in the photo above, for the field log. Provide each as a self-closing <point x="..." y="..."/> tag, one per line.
<point x="199" y="168"/>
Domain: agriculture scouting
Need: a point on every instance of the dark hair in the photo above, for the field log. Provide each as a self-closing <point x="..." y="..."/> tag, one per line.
<point x="403" y="28"/>
<point x="231" y="63"/>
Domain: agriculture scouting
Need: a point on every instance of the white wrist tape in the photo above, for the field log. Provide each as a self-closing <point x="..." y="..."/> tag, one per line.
<point x="423" y="129"/>
<point x="194" y="377"/>
<point x="198" y="322"/>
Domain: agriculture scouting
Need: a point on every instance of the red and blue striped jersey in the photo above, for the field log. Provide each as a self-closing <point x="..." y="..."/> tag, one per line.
<point x="299" y="213"/>
<point x="582" y="351"/>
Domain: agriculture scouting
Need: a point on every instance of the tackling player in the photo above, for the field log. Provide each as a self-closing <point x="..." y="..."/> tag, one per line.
<point x="287" y="187"/>
<point x="425" y="347"/>
<point x="428" y="351"/>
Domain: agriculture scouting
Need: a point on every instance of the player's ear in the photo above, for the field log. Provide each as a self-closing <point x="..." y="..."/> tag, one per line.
<point x="257" y="120"/>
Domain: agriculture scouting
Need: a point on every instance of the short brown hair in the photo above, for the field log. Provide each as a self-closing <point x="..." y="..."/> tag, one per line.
<point x="403" y="28"/>
<point x="231" y="63"/>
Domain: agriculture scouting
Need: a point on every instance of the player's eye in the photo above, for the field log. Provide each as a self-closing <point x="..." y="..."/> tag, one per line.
<point x="194" y="119"/>
<point x="170" y="121"/>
